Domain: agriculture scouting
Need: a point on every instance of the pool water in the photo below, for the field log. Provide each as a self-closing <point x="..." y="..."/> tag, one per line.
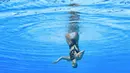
<point x="32" y="36"/>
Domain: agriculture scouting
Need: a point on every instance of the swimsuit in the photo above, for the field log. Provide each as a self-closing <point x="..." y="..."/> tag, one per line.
<point x="73" y="49"/>
<point x="73" y="45"/>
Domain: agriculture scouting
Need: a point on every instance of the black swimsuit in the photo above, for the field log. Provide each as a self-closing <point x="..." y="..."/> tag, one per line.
<point x="72" y="55"/>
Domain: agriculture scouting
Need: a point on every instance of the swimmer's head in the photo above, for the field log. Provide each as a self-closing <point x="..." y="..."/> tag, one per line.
<point x="74" y="64"/>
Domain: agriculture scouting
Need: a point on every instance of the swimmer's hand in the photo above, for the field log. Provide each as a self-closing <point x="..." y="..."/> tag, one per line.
<point x="80" y="54"/>
<point x="54" y="62"/>
<point x="57" y="60"/>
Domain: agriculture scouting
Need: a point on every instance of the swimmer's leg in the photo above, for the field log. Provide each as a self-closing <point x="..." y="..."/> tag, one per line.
<point x="62" y="58"/>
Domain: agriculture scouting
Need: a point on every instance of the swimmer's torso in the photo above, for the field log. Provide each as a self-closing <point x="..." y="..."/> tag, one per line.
<point x="72" y="39"/>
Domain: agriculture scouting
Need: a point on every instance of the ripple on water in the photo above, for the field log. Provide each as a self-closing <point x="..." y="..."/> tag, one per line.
<point x="33" y="31"/>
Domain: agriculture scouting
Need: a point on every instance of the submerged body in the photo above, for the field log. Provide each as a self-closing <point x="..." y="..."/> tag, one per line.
<point x="75" y="53"/>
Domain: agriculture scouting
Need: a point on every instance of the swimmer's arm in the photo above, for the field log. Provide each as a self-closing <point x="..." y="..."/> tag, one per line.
<point x="62" y="58"/>
<point x="80" y="54"/>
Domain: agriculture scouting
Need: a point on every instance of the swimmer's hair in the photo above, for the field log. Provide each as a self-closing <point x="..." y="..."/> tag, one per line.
<point x="75" y="66"/>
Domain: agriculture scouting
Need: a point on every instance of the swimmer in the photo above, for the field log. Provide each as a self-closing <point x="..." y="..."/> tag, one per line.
<point x="75" y="54"/>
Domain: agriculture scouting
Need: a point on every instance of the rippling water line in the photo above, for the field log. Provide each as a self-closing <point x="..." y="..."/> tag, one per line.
<point x="33" y="32"/>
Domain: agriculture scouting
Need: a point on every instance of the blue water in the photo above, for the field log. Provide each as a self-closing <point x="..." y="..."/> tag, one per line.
<point x="32" y="36"/>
